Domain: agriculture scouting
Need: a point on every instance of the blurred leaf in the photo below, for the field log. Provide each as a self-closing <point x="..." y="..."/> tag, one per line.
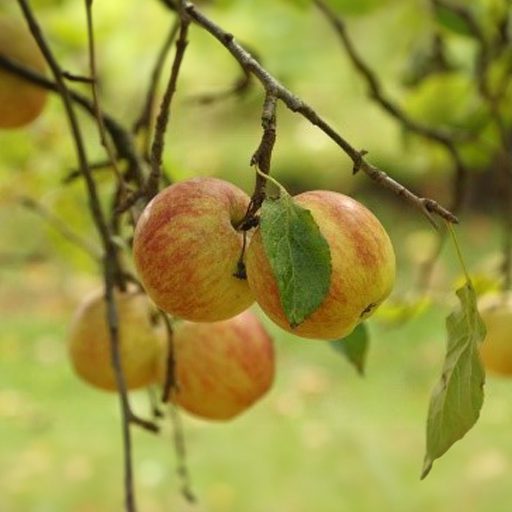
<point x="354" y="347"/>
<point x="298" y="254"/>
<point x="456" y="401"/>
<point x="482" y="283"/>
<point x="451" y="21"/>
<point x="394" y="313"/>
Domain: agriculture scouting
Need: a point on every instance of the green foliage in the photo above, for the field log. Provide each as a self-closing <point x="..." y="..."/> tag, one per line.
<point x="457" y="399"/>
<point x="298" y="254"/>
<point x="451" y="21"/>
<point x="354" y="347"/>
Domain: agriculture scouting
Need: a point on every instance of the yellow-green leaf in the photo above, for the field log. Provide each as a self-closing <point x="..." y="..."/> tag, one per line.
<point x="458" y="397"/>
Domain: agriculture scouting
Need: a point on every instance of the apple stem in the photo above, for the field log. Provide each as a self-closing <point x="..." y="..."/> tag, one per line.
<point x="282" y="190"/>
<point x="459" y="252"/>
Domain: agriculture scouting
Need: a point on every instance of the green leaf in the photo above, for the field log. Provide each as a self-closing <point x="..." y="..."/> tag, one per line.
<point x="299" y="256"/>
<point x="354" y="347"/>
<point x="458" y="397"/>
<point x="452" y="21"/>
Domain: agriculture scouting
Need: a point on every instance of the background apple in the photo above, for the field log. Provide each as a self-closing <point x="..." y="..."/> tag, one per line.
<point x="140" y="341"/>
<point x="496" y="350"/>
<point x="363" y="267"/>
<point x="186" y="250"/>
<point x="20" y="101"/>
<point x="222" y="368"/>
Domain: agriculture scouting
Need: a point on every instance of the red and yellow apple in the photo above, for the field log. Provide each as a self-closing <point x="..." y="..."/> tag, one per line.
<point x="186" y="248"/>
<point x="496" y="350"/>
<point x="20" y="101"/>
<point x="140" y="341"/>
<point x="222" y="368"/>
<point x="362" y="260"/>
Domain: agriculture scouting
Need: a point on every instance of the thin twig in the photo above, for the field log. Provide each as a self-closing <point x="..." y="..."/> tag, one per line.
<point x="126" y="415"/>
<point x="143" y="121"/>
<point x="170" y="381"/>
<point x="105" y="142"/>
<point x="181" y="454"/>
<point x="162" y="121"/>
<point x="425" y="205"/>
<point x="263" y="154"/>
<point x="62" y="228"/>
<point x="76" y="78"/>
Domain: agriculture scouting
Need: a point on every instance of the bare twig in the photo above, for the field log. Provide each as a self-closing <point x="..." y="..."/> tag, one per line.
<point x="105" y="142"/>
<point x="157" y="148"/>
<point x="295" y="104"/>
<point x="61" y="227"/>
<point x="170" y="386"/>
<point x="181" y="454"/>
<point x="263" y="155"/>
<point x="143" y="122"/>
<point x="76" y="78"/>
<point x="126" y="415"/>
<point x="170" y="381"/>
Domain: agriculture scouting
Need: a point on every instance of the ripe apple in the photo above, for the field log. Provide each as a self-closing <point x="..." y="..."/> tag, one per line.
<point x="363" y="267"/>
<point x="140" y="341"/>
<point x="186" y="248"/>
<point x="496" y="350"/>
<point x="20" y="101"/>
<point x="222" y="368"/>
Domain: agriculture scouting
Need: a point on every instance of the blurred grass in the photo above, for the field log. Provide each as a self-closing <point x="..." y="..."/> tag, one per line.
<point x="323" y="439"/>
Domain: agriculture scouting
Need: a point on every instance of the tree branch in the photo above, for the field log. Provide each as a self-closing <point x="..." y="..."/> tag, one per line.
<point x="296" y="104"/>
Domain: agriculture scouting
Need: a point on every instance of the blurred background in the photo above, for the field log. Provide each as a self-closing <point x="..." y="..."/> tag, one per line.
<point x="324" y="438"/>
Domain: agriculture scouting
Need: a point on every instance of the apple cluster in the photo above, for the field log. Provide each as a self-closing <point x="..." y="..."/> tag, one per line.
<point x="188" y="246"/>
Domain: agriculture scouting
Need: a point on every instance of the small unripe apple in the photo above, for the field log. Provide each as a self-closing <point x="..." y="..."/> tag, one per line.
<point x="140" y="341"/>
<point x="496" y="350"/>
<point x="362" y="262"/>
<point x="20" y="101"/>
<point x="222" y="368"/>
<point x="186" y="249"/>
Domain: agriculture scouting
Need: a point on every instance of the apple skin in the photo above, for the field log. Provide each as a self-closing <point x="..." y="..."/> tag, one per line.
<point x="496" y="350"/>
<point x="20" y="101"/>
<point x="363" y="267"/>
<point x="140" y="341"/>
<point x="222" y="368"/>
<point x="186" y="250"/>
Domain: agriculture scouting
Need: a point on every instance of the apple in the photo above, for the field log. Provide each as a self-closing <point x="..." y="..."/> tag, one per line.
<point x="363" y="267"/>
<point x="496" y="350"/>
<point x="140" y="341"/>
<point x="186" y="249"/>
<point x="20" y="101"/>
<point x="222" y="368"/>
